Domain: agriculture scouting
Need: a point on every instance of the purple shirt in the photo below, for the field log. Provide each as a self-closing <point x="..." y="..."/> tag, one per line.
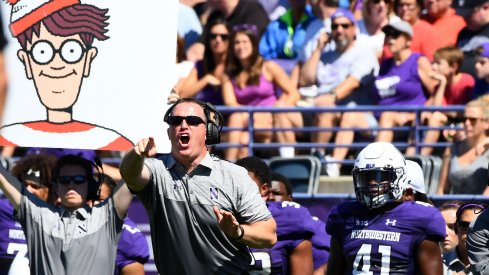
<point x="262" y="94"/>
<point x="12" y="238"/>
<point x="132" y="246"/>
<point x="384" y="242"/>
<point x="211" y="94"/>
<point x="294" y="225"/>
<point x="400" y="84"/>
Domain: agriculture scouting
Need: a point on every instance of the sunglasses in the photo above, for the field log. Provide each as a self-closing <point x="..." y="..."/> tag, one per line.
<point x="451" y="226"/>
<point x="378" y="1"/>
<point x="345" y="26"/>
<point x="78" y="179"/>
<point x="393" y="33"/>
<point x="472" y="120"/>
<point x="463" y="225"/>
<point x="223" y="36"/>
<point x="191" y="120"/>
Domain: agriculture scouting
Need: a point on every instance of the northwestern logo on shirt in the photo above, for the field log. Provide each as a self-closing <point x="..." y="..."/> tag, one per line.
<point x="376" y="235"/>
<point x="177" y="186"/>
<point x="214" y="193"/>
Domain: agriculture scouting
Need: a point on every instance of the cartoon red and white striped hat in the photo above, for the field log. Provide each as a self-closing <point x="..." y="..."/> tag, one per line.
<point x="26" y="13"/>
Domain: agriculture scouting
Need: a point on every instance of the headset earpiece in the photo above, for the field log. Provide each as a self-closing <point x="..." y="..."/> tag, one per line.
<point x="213" y="117"/>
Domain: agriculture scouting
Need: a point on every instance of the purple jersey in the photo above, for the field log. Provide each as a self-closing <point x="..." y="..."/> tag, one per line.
<point x="12" y="238"/>
<point x="132" y="246"/>
<point x="384" y="243"/>
<point x="294" y="225"/>
<point x="320" y="243"/>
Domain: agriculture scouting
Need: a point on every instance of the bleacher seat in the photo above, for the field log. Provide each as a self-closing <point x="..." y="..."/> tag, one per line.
<point x="302" y="171"/>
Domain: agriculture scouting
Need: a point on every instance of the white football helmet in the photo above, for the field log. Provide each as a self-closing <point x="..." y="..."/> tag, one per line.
<point x="379" y="174"/>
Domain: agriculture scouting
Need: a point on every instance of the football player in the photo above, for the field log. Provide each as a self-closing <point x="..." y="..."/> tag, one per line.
<point x="378" y="233"/>
<point x="292" y="254"/>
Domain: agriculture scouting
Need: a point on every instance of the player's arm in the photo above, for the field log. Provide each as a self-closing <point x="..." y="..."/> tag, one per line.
<point x="429" y="258"/>
<point x="133" y="171"/>
<point x="336" y="261"/>
<point x="301" y="259"/>
<point x="11" y="187"/>
<point x="135" y="268"/>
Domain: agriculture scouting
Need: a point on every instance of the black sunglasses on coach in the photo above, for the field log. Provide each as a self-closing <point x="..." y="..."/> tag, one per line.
<point x="191" y="120"/>
<point x="78" y="179"/>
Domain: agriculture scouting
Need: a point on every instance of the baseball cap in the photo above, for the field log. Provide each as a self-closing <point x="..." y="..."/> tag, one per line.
<point x="465" y="7"/>
<point x="401" y="26"/>
<point x="484" y="50"/>
<point x="415" y="176"/>
<point x="343" y="13"/>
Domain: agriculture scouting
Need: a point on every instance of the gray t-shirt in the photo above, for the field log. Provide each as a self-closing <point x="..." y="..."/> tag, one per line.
<point x="63" y="243"/>
<point x="185" y="234"/>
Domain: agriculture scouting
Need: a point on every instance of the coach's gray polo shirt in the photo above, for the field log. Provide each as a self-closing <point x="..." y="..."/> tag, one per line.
<point x="63" y="243"/>
<point x="184" y="230"/>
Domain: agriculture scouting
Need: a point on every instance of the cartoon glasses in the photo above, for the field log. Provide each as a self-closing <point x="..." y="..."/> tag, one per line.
<point x="78" y="179"/>
<point x="43" y="51"/>
<point x="191" y="120"/>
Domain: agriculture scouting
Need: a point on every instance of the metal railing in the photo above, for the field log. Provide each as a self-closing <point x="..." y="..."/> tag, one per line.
<point x="417" y="127"/>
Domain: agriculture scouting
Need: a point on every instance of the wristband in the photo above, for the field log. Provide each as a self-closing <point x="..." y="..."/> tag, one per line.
<point x="240" y="234"/>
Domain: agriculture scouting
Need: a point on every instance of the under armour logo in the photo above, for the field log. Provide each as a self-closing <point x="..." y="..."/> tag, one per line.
<point x="389" y="222"/>
<point x="214" y="194"/>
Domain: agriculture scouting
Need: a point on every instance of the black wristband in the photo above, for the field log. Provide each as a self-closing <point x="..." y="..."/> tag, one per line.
<point x="241" y="234"/>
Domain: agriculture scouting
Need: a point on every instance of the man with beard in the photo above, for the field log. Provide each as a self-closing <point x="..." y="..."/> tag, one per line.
<point x="343" y="76"/>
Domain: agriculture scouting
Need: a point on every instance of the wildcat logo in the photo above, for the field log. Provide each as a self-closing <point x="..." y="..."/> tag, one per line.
<point x="214" y="193"/>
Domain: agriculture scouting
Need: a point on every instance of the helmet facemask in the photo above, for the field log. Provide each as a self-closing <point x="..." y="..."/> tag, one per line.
<point x="374" y="187"/>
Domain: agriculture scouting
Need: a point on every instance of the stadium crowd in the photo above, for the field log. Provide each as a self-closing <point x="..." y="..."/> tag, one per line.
<point x="63" y="211"/>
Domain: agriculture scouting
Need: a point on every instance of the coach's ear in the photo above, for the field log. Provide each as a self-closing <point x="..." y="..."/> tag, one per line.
<point x="24" y="58"/>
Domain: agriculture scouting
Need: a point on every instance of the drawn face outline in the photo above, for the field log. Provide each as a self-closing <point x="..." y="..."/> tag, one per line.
<point x="57" y="83"/>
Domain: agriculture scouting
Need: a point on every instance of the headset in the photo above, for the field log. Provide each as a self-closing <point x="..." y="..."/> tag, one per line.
<point x="214" y="119"/>
<point x="88" y="166"/>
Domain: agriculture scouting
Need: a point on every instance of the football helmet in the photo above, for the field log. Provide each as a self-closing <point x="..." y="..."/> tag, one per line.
<point x="379" y="174"/>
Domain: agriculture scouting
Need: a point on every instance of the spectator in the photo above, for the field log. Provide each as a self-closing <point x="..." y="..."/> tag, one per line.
<point x="34" y="172"/>
<point x="412" y="230"/>
<point x="448" y="210"/>
<point x="183" y="190"/>
<point x="251" y="81"/>
<point x="235" y="12"/>
<point x="204" y="81"/>
<point x="292" y="254"/>
<point x="345" y="76"/>
<point x="464" y="170"/>
<point x="425" y="39"/>
<point x="476" y="33"/>
<point x="280" y="191"/>
<point x="188" y="26"/>
<point x="74" y="238"/>
<point x="284" y="37"/>
<point x="132" y="249"/>
<point x="477" y="244"/>
<point x="454" y="89"/>
<point x="403" y="80"/>
<point x="482" y="71"/>
<point x="458" y="260"/>
<point x="376" y="15"/>
<point x="444" y="20"/>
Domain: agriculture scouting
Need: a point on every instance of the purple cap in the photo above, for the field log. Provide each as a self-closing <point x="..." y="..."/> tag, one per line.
<point x="343" y="13"/>
<point x="484" y="52"/>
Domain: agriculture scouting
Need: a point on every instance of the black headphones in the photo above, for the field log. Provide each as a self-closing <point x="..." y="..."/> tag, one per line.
<point x="93" y="179"/>
<point x="214" y="119"/>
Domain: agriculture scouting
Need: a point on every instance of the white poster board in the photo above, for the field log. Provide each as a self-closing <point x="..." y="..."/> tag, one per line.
<point x="126" y="80"/>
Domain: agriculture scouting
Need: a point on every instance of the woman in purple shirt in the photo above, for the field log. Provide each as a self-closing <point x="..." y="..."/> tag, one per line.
<point x="404" y="80"/>
<point x="251" y="81"/>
